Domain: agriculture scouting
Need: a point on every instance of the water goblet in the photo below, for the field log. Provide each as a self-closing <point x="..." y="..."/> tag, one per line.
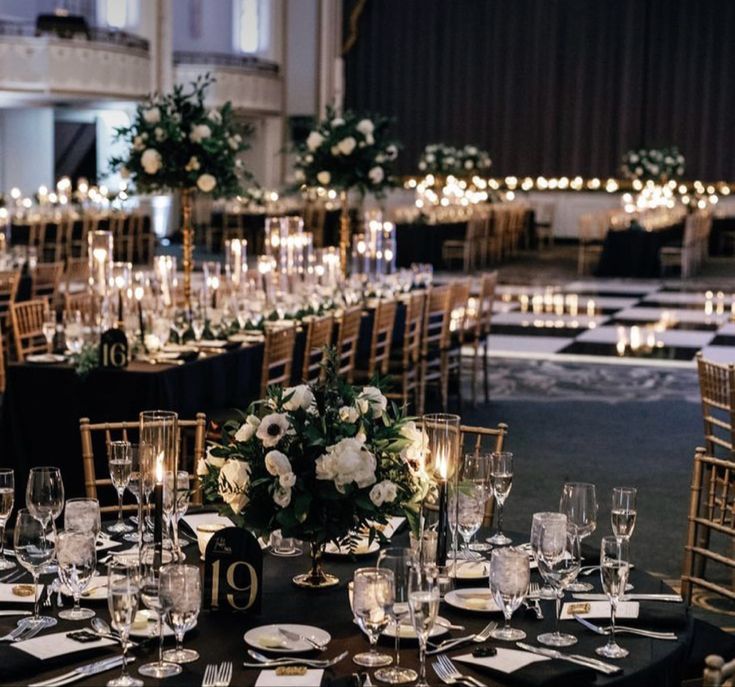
<point x="77" y="559"/>
<point x="510" y="573"/>
<point x="120" y="463"/>
<point x="579" y="503"/>
<point x="501" y="481"/>
<point x="7" y="501"/>
<point x="283" y="546"/>
<point x="372" y="603"/>
<point x="83" y="515"/>
<point x="123" y="596"/>
<point x="546" y="591"/>
<point x="181" y="597"/>
<point x="423" y="604"/>
<point x="614" y="569"/>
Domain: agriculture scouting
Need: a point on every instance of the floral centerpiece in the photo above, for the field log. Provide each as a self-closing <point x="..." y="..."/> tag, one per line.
<point x="656" y="164"/>
<point x="177" y="143"/>
<point x="443" y="160"/>
<point x="321" y="463"/>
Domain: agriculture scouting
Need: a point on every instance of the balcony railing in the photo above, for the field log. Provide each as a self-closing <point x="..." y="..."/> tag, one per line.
<point x="93" y="33"/>
<point x="215" y="59"/>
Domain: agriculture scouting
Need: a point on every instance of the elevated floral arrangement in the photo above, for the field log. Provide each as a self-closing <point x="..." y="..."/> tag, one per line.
<point x="348" y="151"/>
<point x="318" y="462"/>
<point x="444" y="160"/>
<point x="176" y="142"/>
<point x="656" y="164"/>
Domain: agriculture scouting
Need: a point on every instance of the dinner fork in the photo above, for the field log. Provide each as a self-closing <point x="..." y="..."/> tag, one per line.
<point x="12" y="576"/>
<point x="478" y="638"/>
<point x="295" y="637"/>
<point x="448" y="673"/>
<point x="23" y="628"/>
<point x="224" y="675"/>
<point x="532" y="600"/>
<point x="210" y="673"/>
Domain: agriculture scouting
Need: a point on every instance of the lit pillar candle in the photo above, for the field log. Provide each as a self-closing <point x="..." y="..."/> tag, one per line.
<point x="158" y="508"/>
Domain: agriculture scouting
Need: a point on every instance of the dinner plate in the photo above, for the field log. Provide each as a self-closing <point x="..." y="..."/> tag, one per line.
<point x="362" y="548"/>
<point x="477" y="599"/>
<point x="45" y="359"/>
<point x="269" y="638"/>
<point x="469" y="570"/>
<point x="407" y="631"/>
<point x="151" y="627"/>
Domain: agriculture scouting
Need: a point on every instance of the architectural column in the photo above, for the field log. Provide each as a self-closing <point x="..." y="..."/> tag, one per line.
<point x="330" y="66"/>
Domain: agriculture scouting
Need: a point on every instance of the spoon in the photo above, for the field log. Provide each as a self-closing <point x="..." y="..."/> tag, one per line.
<point x="103" y="629"/>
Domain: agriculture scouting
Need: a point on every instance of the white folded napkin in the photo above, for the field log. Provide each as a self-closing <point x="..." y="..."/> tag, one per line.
<point x="50" y="646"/>
<point x="268" y="678"/>
<point x="505" y="661"/>
<point x="469" y="569"/>
<point x="7" y="596"/>
<point x="600" y="609"/>
<point x="194" y="520"/>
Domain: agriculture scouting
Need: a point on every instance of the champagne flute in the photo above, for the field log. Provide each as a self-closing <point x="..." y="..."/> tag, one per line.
<point x="83" y="515"/>
<point x="180" y="592"/>
<point x="501" y="480"/>
<point x="400" y="561"/>
<point x="614" y="569"/>
<point x="7" y="501"/>
<point x="48" y="327"/>
<point x="123" y="595"/>
<point x="624" y="512"/>
<point x="476" y="469"/>
<point x="372" y="602"/>
<point x="77" y="557"/>
<point x="558" y="562"/>
<point x="45" y="499"/>
<point x="579" y="503"/>
<point x="120" y="462"/>
<point x="423" y="604"/>
<point x="34" y="550"/>
<point x="470" y="512"/>
<point x="510" y="573"/>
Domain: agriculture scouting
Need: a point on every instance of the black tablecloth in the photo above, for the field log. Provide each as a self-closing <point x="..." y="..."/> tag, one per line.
<point x="219" y="636"/>
<point x="423" y="242"/>
<point x="720" y="225"/>
<point x="636" y="252"/>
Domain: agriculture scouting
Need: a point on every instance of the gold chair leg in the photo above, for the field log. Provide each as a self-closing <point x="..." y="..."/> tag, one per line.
<point x="485" y="380"/>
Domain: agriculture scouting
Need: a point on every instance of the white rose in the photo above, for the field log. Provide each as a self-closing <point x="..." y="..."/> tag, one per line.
<point x="376" y="175"/>
<point x="378" y="403"/>
<point x="247" y="428"/>
<point x="324" y="178"/>
<point x="233" y="143"/>
<point x="277" y="463"/>
<point x="152" y="115"/>
<point x="202" y="467"/>
<point x="469" y="164"/>
<point x="214" y="461"/>
<point x="151" y="161"/>
<point x="282" y="497"/>
<point x="348" y="414"/>
<point x="363" y="405"/>
<point x="422" y="165"/>
<point x="346" y="462"/>
<point x="391" y="151"/>
<point x="369" y="140"/>
<point x="234" y="479"/>
<point x="214" y="116"/>
<point x="334" y="150"/>
<point x="365" y="126"/>
<point x="199" y="133"/>
<point x="337" y="122"/>
<point x="382" y="492"/>
<point x="471" y="150"/>
<point x="272" y="429"/>
<point x="299" y="175"/>
<point x="206" y="183"/>
<point x="308" y="159"/>
<point x="301" y="397"/>
<point x="314" y="140"/>
<point x="159" y="133"/>
<point x="287" y="480"/>
<point x="347" y="145"/>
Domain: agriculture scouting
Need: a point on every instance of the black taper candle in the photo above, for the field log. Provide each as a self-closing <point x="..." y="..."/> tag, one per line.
<point x="443" y="525"/>
<point x="141" y="324"/>
<point x="158" y="522"/>
<point x="119" y="306"/>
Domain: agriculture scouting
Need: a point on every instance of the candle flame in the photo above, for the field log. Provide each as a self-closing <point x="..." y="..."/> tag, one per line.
<point x="159" y="468"/>
<point x="442" y="465"/>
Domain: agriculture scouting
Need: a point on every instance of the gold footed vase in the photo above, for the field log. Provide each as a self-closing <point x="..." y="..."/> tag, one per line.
<point x="187" y="233"/>
<point x="316" y="578"/>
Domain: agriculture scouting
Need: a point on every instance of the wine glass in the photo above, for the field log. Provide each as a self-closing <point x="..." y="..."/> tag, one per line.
<point x="400" y="561"/>
<point x="45" y="498"/>
<point x="7" y="501"/>
<point x="558" y="559"/>
<point x="423" y="604"/>
<point x="579" y="503"/>
<point x="48" y="327"/>
<point x="476" y="469"/>
<point x="510" y="573"/>
<point x="120" y="462"/>
<point x="150" y="596"/>
<point x="501" y="480"/>
<point x="372" y="603"/>
<point x="136" y="486"/>
<point x="123" y="595"/>
<point x="180" y="592"/>
<point x="614" y="568"/>
<point x="77" y="558"/>
<point x="83" y="515"/>
<point x="470" y="511"/>
<point x="34" y="551"/>
<point x="624" y="512"/>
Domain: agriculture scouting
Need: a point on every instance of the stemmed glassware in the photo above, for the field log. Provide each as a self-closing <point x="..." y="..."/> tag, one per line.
<point x="624" y="512"/>
<point x="579" y="503"/>
<point x="34" y="551"/>
<point x="476" y="470"/>
<point x="558" y="559"/>
<point x="546" y="591"/>
<point x="180" y="592"/>
<point x="120" y="462"/>
<point x="136" y="486"/>
<point x="510" y="573"/>
<point x="45" y="499"/>
<point x="400" y="561"/>
<point x="123" y="596"/>
<point x="83" y="515"/>
<point x="501" y="480"/>
<point x="614" y="569"/>
<point x="77" y="557"/>
<point x="372" y="604"/>
<point x="470" y="511"/>
<point x="423" y="604"/>
<point x="7" y="501"/>
<point x="48" y="327"/>
<point x="175" y="505"/>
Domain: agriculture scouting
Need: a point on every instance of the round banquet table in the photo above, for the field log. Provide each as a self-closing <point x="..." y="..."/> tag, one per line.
<point x="219" y="635"/>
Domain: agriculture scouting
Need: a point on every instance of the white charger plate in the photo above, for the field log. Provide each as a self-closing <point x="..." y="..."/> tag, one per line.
<point x="45" y="359"/>
<point x="476" y="599"/>
<point x="407" y="631"/>
<point x="266" y="633"/>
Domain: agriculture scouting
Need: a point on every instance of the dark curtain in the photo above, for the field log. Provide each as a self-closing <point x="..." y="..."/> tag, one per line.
<point x="551" y="86"/>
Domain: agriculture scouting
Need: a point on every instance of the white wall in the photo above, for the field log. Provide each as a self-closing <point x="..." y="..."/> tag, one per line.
<point x="27" y="148"/>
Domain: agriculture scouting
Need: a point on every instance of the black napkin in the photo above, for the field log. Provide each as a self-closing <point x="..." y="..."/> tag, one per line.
<point x="19" y="665"/>
<point x="659" y="615"/>
<point x="553" y="673"/>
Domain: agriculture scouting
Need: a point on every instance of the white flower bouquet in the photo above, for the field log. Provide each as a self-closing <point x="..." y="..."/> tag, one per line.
<point x="442" y="160"/>
<point x="656" y="164"/>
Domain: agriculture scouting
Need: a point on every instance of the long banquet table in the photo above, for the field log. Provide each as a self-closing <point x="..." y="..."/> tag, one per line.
<point x="219" y="635"/>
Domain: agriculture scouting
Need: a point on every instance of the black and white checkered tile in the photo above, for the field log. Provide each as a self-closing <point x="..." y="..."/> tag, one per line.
<point x="614" y="321"/>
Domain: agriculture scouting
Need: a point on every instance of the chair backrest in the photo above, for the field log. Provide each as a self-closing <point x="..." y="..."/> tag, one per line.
<point x="435" y="334"/>
<point x="77" y="272"/>
<point x="318" y="337"/>
<point x="485" y="301"/>
<point x="8" y="291"/>
<point x="27" y="322"/>
<point x="277" y="357"/>
<point x="460" y="300"/>
<point x="717" y="391"/>
<point x="381" y="338"/>
<point x="716" y="671"/>
<point x="46" y="278"/>
<point x="711" y="527"/>
<point x="98" y="436"/>
<point x="82" y="302"/>
<point x="412" y="329"/>
<point x="347" y="339"/>
<point x="2" y="362"/>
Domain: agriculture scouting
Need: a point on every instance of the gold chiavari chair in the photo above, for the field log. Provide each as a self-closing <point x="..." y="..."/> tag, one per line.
<point x="318" y="337"/>
<point x="347" y="340"/>
<point x="544" y="224"/>
<point x="277" y="357"/>
<point x="459" y="332"/>
<point x="2" y="361"/>
<point x="381" y="340"/>
<point x="591" y="235"/>
<point x="192" y="435"/>
<point x="45" y="280"/>
<point x="434" y="345"/>
<point x="76" y="275"/>
<point x="478" y="329"/>
<point x="717" y="391"/>
<point x="37" y="237"/>
<point x="90" y="222"/>
<point x="717" y="673"/>
<point x="405" y="365"/>
<point x="484" y="440"/>
<point x="27" y="321"/>
<point x="465" y="249"/>
<point x="8" y="291"/>
<point x="82" y="302"/>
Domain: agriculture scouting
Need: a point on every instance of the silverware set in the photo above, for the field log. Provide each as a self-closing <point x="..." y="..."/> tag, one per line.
<point x="448" y="644"/>
<point x="448" y="673"/>
<point x="83" y="671"/>
<point x="595" y="664"/>
<point x="12" y="576"/>
<point x="623" y="629"/>
<point x="218" y="675"/>
<point x="262" y="661"/>
<point x="296" y="637"/>
<point x="24" y="630"/>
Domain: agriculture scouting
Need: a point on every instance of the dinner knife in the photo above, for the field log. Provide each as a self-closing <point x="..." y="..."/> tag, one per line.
<point x="599" y="666"/>
<point x="83" y="671"/>
<point x="466" y="596"/>
<point x="672" y="598"/>
<point x="15" y="613"/>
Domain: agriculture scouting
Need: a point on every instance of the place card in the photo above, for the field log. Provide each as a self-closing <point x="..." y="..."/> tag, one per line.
<point x="7" y="595"/>
<point x="269" y="678"/>
<point x="505" y="661"/>
<point x="599" y="609"/>
<point x="58" y="644"/>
